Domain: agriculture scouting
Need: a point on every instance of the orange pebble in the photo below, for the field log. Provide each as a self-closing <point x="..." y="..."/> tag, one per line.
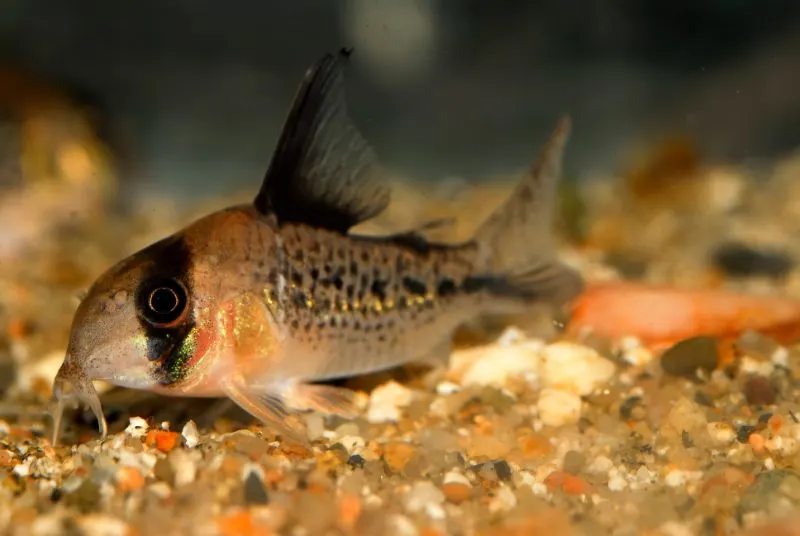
<point x="129" y="479"/>
<point x="756" y="442"/>
<point x="349" y="511"/>
<point x="775" y="423"/>
<point x="456" y="492"/>
<point x="240" y="523"/>
<point x="164" y="440"/>
<point x="569" y="484"/>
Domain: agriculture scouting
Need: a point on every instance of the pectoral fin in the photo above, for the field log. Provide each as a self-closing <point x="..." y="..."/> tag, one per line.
<point x="269" y="406"/>
<point x="280" y="405"/>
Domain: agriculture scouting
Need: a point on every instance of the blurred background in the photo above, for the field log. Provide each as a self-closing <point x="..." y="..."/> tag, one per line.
<point x="189" y="96"/>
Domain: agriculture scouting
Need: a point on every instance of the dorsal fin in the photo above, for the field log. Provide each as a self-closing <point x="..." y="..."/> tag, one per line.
<point x="323" y="173"/>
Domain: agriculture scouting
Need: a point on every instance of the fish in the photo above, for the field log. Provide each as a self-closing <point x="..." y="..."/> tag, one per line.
<point x="263" y="302"/>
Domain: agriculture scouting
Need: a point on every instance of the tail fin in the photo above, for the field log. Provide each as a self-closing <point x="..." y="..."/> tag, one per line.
<point x="515" y="243"/>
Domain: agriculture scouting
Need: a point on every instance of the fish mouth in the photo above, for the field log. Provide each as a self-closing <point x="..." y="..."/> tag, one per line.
<point x="73" y="386"/>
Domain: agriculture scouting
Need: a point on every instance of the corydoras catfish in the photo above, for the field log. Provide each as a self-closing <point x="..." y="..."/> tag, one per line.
<point x="257" y="302"/>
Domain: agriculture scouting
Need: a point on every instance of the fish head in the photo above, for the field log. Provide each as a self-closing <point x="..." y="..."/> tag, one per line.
<point x="138" y="326"/>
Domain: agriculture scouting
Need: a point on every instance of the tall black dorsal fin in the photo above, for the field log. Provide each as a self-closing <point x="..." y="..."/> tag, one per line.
<point x="323" y="173"/>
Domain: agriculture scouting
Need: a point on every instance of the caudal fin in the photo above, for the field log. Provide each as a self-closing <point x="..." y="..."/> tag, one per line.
<point x="515" y="243"/>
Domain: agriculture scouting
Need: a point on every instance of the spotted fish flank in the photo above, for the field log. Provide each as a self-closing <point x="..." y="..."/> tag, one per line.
<point x="256" y="302"/>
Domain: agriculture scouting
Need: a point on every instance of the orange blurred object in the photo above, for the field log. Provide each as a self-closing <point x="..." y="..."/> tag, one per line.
<point x="662" y="316"/>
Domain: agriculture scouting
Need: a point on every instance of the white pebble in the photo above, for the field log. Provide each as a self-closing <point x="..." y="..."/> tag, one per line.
<point x="497" y="364"/>
<point x="678" y="478"/>
<point x="780" y="357"/>
<point x="617" y="482"/>
<point x="400" y="525"/>
<point x="511" y="335"/>
<point x="638" y="357"/>
<point x="748" y="365"/>
<point x="721" y="433"/>
<point x="160" y="490"/>
<point x="575" y="368"/>
<point x="447" y="388"/>
<point x="456" y="477"/>
<point x="503" y="501"/>
<point x="102" y="525"/>
<point x="137" y="427"/>
<point x="352" y="444"/>
<point x="386" y="401"/>
<point x="600" y="465"/>
<point x="184" y="463"/>
<point x="785" y="446"/>
<point x="190" y="435"/>
<point x="22" y="469"/>
<point x="558" y="408"/>
<point x="421" y="495"/>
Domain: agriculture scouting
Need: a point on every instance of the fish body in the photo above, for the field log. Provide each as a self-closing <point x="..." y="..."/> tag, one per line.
<point x="256" y="301"/>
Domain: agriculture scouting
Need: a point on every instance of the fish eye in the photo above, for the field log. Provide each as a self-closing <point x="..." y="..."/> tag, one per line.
<point x="162" y="302"/>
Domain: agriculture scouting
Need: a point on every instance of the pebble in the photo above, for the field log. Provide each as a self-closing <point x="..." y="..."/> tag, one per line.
<point x="574" y="462"/>
<point x="721" y="433"/>
<point x="191" y="437"/>
<point x="689" y="355"/>
<point x="572" y="367"/>
<point x="456" y="487"/>
<point x="386" y="401"/>
<point x="185" y="467"/>
<point x="351" y="444"/>
<point x="759" y="391"/>
<point x="137" y="427"/>
<point x="399" y="525"/>
<point x="254" y="491"/>
<point x="421" y="496"/>
<point x="102" y="525"/>
<point x="503" y="501"/>
<point x="496" y="365"/>
<point x="558" y="408"/>
<point x="398" y="454"/>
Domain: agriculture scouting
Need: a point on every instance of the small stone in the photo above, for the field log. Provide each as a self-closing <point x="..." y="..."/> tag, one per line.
<point x="183" y="463"/>
<point x="254" y="490"/>
<point x="759" y="391"/>
<point x="575" y="368"/>
<point x="103" y="524"/>
<point x="86" y="497"/>
<point x="397" y="455"/>
<point x="744" y="432"/>
<point x="721" y="433"/>
<point x="628" y="409"/>
<point x="689" y="355"/>
<point x="351" y="444"/>
<point x="489" y="446"/>
<point x="356" y="461"/>
<point x="573" y="462"/>
<point x="7" y="458"/>
<point x="769" y="488"/>
<point x="558" y="408"/>
<point x="502" y="469"/>
<point x="421" y="496"/>
<point x="137" y="427"/>
<point x="385" y="402"/>
<point x="456" y="492"/>
<point x="503" y="501"/>
<point x="190" y="435"/>
<point x="496" y="365"/>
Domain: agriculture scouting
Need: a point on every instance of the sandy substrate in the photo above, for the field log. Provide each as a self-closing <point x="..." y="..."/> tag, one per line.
<point x="521" y="434"/>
